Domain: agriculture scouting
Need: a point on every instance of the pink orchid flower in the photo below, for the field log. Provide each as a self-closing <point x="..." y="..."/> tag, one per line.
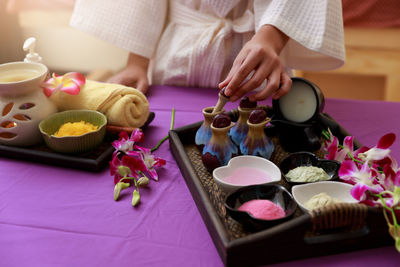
<point x="359" y="191"/>
<point x="126" y="143"/>
<point x="363" y="178"/>
<point x="149" y="160"/>
<point x="69" y="83"/>
<point x="126" y="167"/>
<point x="391" y="178"/>
<point x="381" y="150"/>
<point x="334" y="153"/>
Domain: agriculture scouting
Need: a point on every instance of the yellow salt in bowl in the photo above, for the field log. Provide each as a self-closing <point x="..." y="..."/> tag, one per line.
<point x="74" y="144"/>
<point x="75" y="128"/>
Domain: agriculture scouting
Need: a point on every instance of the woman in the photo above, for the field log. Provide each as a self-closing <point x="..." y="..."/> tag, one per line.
<point x="245" y="44"/>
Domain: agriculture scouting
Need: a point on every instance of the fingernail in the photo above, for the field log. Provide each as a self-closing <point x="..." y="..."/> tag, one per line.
<point x="227" y="91"/>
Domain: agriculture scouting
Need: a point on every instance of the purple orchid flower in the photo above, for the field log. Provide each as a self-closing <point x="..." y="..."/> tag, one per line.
<point x="126" y="167"/>
<point x="392" y="177"/>
<point x="149" y="160"/>
<point x="364" y="179"/>
<point x="339" y="154"/>
<point x="126" y="143"/>
<point x="381" y="150"/>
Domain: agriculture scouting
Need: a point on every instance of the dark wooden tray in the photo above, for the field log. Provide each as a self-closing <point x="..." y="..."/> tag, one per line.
<point x="339" y="228"/>
<point x="95" y="160"/>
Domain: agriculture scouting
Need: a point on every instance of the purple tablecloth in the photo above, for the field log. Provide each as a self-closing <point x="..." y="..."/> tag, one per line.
<point x="52" y="216"/>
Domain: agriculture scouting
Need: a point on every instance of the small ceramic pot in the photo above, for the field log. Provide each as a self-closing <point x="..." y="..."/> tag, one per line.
<point x="295" y="137"/>
<point x="220" y="149"/>
<point x="203" y="134"/>
<point x="256" y="142"/>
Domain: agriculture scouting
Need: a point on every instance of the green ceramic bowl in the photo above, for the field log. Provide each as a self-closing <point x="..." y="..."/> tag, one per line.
<point x="73" y="144"/>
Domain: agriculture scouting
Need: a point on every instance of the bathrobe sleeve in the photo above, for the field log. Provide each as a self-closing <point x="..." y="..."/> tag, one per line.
<point x="134" y="25"/>
<point x="315" y="29"/>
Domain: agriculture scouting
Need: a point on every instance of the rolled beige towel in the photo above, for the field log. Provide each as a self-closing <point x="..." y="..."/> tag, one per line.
<point x="122" y="105"/>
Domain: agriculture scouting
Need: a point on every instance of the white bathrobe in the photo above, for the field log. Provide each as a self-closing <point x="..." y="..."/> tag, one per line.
<point x="194" y="42"/>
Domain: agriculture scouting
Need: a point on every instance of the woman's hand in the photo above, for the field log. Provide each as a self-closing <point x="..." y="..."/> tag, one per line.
<point x="134" y="74"/>
<point x="261" y="55"/>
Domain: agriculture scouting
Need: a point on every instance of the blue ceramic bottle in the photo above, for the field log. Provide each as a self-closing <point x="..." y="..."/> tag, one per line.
<point x="239" y="132"/>
<point x="256" y="142"/>
<point x="203" y="134"/>
<point x="220" y="149"/>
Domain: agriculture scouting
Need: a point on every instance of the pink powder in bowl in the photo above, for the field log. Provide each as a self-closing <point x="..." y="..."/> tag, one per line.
<point x="263" y="209"/>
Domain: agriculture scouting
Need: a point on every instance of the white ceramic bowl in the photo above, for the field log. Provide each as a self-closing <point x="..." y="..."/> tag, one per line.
<point x="303" y="192"/>
<point x="18" y="78"/>
<point x="265" y="171"/>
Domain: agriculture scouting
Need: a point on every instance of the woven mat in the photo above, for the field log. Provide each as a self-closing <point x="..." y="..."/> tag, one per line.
<point x="217" y="197"/>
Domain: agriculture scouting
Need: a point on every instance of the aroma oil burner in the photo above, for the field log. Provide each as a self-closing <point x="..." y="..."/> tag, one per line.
<point x="296" y="116"/>
<point x="22" y="103"/>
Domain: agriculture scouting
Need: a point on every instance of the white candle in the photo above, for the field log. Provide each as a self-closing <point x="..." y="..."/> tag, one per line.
<point x="300" y="104"/>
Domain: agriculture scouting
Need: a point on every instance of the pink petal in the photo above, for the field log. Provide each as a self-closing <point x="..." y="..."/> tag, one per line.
<point x="376" y="153"/>
<point x="347" y="169"/>
<point x="134" y="164"/>
<point x="137" y="135"/>
<point x="77" y="77"/>
<point x="51" y="85"/>
<point x="159" y="162"/>
<point x="332" y="149"/>
<point x="123" y="135"/>
<point x="358" y="191"/>
<point x="153" y="174"/>
<point x="360" y="150"/>
<point x="370" y="202"/>
<point x="71" y="88"/>
<point x="386" y="141"/>
<point x="48" y="91"/>
<point x="145" y="150"/>
<point x="116" y="144"/>
<point x="134" y="154"/>
<point x="348" y="143"/>
<point x="114" y="163"/>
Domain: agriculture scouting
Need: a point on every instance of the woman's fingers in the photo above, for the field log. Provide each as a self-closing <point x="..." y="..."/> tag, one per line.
<point x="286" y="85"/>
<point x="240" y="71"/>
<point x="272" y="86"/>
<point x="278" y="85"/>
<point x="142" y="86"/>
<point x="253" y="82"/>
<point x="235" y="66"/>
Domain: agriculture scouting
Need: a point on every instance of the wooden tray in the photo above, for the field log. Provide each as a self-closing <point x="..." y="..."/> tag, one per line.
<point x="339" y="228"/>
<point x="95" y="160"/>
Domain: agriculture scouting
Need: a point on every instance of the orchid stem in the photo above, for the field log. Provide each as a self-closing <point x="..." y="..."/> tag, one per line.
<point x="390" y="209"/>
<point x="170" y="128"/>
<point x="354" y="159"/>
